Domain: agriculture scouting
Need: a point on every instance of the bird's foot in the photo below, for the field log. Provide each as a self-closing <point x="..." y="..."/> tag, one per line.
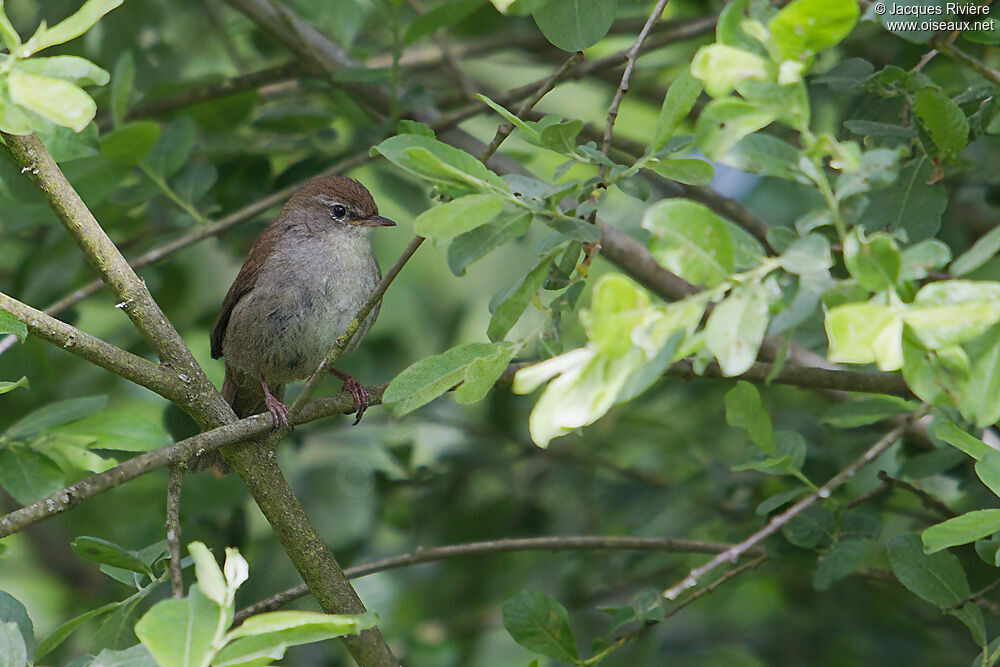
<point x="357" y="390"/>
<point x="278" y="410"/>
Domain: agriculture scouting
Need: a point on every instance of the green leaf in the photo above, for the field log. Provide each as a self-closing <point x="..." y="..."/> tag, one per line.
<point x="617" y="306"/>
<point x="953" y="435"/>
<point x="863" y="333"/>
<point x="60" y="634"/>
<point x="938" y="578"/>
<point x="806" y="27"/>
<point x="806" y="255"/>
<point x="458" y="216"/>
<point x="868" y="410"/>
<point x="13" y="652"/>
<point x="276" y="622"/>
<point x="11" y="325"/>
<point x="573" y="25"/>
<point x="690" y="171"/>
<point x="509" y="310"/>
<point x="56" y="100"/>
<point x="681" y="97"/>
<point x="80" y="71"/>
<point x="961" y="530"/>
<point x="471" y="246"/>
<point x="173" y="149"/>
<point x="6" y="386"/>
<point x="440" y="163"/>
<point x="736" y="328"/>
<point x="910" y="204"/>
<point x="988" y="470"/>
<point x="767" y="156"/>
<point x="873" y="261"/>
<point x="981" y="252"/>
<point x="8" y="36"/>
<point x="130" y="143"/>
<point x="136" y="656"/>
<point x="109" y="553"/>
<point x="442" y="16"/>
<point x="948" y="313"/>
<point x="879" y="169"/>
<point x="977" y="400"/>
<point x="55" y="414"/>
<point x="181" y="632"/>
<point x="28" y="475"/>
<point x="429" y="378"/>
<point x="724" y="122"/>
<point x="70" y="28"/>
<point x="921" y="257"/>
<point x="13" y="118"/>
<point x="12" y="611"/>
<point x="721" y="68"/>
<point x="210" y="578"/>
<point x="690" y="240"/>
<point x="811" y="529"/>
<point x="944" y="121"/>
<point x="745" y="410"/>
<point x="541" y="625"/>
<point x="120" y="430"/>
<point x="870" y="128"/>
<point x="843" y="558"/>
<point x="121" y="87"/>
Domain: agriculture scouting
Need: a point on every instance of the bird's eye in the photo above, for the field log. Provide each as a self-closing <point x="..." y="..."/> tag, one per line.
<point x="339" y="210"/>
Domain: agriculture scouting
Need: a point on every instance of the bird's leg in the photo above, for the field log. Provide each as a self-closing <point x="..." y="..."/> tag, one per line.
<point x="277" y="409"/>
<point x="357" y="390"/>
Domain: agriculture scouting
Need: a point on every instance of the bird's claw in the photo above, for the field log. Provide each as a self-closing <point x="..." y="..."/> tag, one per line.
<point x="358" y="391"/>
<point x="279" y="411"/>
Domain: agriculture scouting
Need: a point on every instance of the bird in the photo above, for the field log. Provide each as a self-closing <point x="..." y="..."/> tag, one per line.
<point x="305" y="278"/>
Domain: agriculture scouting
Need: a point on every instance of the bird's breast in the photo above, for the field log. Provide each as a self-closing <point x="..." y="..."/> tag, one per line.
<point x="304" y="298"/>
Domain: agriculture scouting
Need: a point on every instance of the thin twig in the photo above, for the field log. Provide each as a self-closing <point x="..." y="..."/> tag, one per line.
<point x="173" y="526"/>
<point x="344" y="339"/>
<point x="776" y="523"/>
<point x="574" y="543"/>
<point x="928" y="501"/>
<point x="546" y="86"/>
<point x="973" y="598"/>
<point x="949" y="49"/>
<point x="630" y="58"/>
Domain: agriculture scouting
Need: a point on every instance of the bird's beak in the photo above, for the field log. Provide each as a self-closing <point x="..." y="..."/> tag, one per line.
<point x="376" y="221"/>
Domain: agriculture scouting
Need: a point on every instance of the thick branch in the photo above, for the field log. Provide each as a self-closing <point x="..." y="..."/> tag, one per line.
<point x="120" y="362"/>
<point x="192" y="387"/>
<point x="553" y="544"/>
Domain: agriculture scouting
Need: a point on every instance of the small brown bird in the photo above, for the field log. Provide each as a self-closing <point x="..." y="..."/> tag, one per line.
<point x="306" y="277"/>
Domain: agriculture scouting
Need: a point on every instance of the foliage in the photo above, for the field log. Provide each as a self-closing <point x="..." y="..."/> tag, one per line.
<point x="803" y="190"/>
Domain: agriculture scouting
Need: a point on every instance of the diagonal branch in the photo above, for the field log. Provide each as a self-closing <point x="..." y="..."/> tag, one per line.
<point x="776" y="523"/>
<point x="120" y="362"/>
<point x="136" y="301"/>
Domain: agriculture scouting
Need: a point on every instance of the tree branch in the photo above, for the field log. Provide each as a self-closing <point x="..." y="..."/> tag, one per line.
<point x="173" y="527"/>
<point x="191" y="389"/>
<point x="807" y="377"/>
<point x="553" y="544"/>
<point x="546" y="86"/>
<point x="776" y="523"/>
<point x="630" y="57"/>
<point x="184" y="451"/>
<point x="120" y="362"/>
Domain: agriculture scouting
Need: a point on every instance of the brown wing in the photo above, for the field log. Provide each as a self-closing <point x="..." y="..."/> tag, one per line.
<point x="245" y="280"/>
